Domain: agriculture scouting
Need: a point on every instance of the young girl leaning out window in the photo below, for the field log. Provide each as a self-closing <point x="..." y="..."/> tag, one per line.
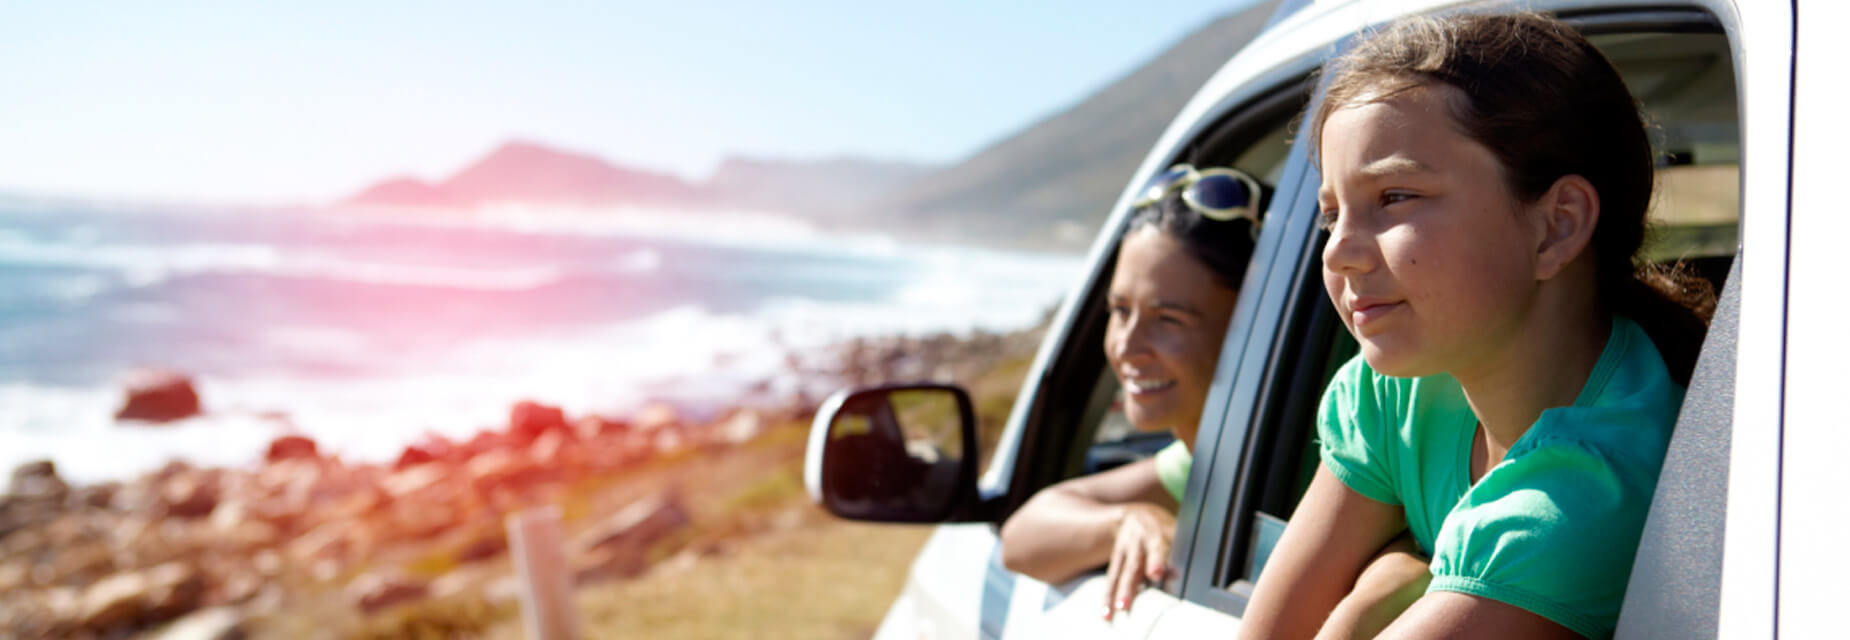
<point x="1488" y="458"/>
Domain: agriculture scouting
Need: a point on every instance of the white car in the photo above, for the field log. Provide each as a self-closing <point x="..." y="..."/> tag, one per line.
<point x="1743" y="538"/>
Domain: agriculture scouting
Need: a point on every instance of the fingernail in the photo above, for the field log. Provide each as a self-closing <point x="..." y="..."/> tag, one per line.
<point x="1108" y="612"/>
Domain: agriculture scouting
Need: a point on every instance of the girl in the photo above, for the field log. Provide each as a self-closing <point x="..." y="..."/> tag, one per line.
<point x="1172" y="294"/>
<point x="1488" y="458"/>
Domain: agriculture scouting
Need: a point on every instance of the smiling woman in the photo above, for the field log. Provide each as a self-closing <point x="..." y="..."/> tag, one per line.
<point x="1172" y="293"/>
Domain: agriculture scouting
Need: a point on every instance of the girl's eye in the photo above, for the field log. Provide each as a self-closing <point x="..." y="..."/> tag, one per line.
<point x="1119" y="311"/>
<point x="1326" y="219"/>
<point x="1392" y="197"/>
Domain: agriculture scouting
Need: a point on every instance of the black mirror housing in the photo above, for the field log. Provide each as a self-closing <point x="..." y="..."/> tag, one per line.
<point x="894" y="453"/>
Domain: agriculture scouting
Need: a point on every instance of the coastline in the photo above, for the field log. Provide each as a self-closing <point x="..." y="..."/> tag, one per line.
<point x="362" y="547"/>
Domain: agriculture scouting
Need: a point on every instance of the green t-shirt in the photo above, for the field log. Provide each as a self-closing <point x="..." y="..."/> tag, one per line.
<point x="1172" y="463"/>
<point x="1552" y="528"/>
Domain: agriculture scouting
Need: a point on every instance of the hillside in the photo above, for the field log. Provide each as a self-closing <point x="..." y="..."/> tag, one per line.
<point x="1052" y="184"/>
<point x="1048" y="186"/>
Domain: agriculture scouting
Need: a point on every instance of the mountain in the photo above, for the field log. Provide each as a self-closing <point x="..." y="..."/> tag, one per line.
<point x="827" y="191"/>
<point x="531" y="173"/>
<point x="527" y="172"/>
<point x="1052" y="184"/>
<point x="818" y="190"/>
<point x="404" y="192"/>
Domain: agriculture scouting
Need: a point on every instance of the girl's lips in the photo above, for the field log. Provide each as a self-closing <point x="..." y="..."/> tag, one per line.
<point x="1365" y="312"/>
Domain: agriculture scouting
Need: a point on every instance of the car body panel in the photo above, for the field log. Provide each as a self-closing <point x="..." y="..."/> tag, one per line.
<point x="1813" y="561"/>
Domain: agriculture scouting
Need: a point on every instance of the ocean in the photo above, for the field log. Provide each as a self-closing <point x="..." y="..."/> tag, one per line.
<point x="367" y="330"/>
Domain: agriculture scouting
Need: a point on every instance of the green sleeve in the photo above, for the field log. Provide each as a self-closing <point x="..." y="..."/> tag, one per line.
<point x="1552" y="532"/>
<point x="1172" y="465"/>
<point x="1355" y="437"/>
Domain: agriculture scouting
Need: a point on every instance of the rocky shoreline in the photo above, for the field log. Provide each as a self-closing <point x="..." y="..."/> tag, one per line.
<point x="191" y="552"/>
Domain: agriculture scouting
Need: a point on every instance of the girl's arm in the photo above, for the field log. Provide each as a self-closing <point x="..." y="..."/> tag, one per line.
<point x="1332" y="536"/>
<point x="1073" y="526"/>
<point x="1446" y="614"/>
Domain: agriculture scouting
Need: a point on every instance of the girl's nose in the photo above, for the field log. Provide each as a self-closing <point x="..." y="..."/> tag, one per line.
<point x="1350" y="248"/>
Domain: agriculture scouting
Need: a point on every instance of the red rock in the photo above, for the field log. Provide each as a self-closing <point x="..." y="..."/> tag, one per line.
<point x="377" y="591"/>
<point x="590" y="427"/>
<point x="431" y="450"/>
<point x="156" y="395"/>
<point x="411" y="481"/>
<point x="290" y="447"/>
<point x="189" y="495"/>
<point x="530" y="420"/>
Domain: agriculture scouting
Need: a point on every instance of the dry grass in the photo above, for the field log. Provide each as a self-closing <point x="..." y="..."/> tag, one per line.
<point x="812" y="577"/>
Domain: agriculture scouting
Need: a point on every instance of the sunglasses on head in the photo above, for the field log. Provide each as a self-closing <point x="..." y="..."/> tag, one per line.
<point x="1217" y="193"/>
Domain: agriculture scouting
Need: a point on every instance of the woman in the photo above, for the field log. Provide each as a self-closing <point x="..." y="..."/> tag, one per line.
<point x="1179" y="267"/>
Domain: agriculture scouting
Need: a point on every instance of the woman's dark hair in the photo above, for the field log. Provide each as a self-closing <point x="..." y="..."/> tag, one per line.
<point x="1548" y="104"/>
<point x="1225" y="247"/>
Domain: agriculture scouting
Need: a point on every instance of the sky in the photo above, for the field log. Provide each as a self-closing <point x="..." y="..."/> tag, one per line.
<point x="307" y="102"/>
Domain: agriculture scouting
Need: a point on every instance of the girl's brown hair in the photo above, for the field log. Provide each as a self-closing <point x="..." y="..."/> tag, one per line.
<point x="1548" y="105"/>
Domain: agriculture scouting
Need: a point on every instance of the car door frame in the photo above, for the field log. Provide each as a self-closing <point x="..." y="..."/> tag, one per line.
<point x="1213" y="531"/>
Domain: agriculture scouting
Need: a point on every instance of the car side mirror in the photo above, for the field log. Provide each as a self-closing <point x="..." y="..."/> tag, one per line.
<point x="896" y="453"/>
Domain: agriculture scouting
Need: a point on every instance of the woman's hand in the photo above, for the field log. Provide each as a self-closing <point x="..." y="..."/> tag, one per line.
<point x="1139" y="553"/>
<point x="1076" y="526"/>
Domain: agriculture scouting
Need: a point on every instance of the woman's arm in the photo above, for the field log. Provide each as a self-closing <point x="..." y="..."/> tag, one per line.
<point x="1072" y="526"/>
<point x="1332" y="536"/>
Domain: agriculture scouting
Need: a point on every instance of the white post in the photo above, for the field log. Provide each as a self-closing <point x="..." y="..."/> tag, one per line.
<point x="546" y="590"/>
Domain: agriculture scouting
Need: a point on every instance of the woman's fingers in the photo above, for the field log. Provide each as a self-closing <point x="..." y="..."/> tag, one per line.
<point x="1112" y="572"/>
<point x="1155" y="558"/>
<point x="1129" y="577"/>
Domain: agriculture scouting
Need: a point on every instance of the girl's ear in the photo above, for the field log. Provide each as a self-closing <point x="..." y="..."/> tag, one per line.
<point x="1568" y="213"/>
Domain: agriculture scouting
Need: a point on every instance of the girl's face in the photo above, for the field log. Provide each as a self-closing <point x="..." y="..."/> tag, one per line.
<point x="1431" y="260"/>
<point x="1168" y="316"/>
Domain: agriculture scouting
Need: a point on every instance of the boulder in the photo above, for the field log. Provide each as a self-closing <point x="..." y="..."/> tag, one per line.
<point x="432" y="449"/>
<point x="291" y="447"/>
<point x="374" y="592"/>
<point x="176" y="589"/>
<point x="657" y="416"/>
<point x="38" y="479"/>
<point x="156" y="594"/>
<point x="156" y="395"/>
<point x="638" y="525"/>
<point x="530" y="420"/>
<point x="741" y="427"/>
<point x="191" y="494"/>
<point x="216" y="623"/>
<point x="97" y="496"/>
<point x="591" y="427"/>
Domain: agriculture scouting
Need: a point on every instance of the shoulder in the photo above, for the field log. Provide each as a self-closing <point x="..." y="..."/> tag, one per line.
<point x="1172" y="465"/>
<point x="1365" y="426"/>
<point x="1552" y="531"/>
<point x="1624" y="415"/>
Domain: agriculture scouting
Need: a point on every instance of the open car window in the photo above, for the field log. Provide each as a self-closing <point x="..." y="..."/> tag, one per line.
<point x="1684" y="80"/>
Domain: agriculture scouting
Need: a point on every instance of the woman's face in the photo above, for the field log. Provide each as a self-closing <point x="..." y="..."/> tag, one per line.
<point x="1168" y="316"/>
<point x="1431" y="261"/>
